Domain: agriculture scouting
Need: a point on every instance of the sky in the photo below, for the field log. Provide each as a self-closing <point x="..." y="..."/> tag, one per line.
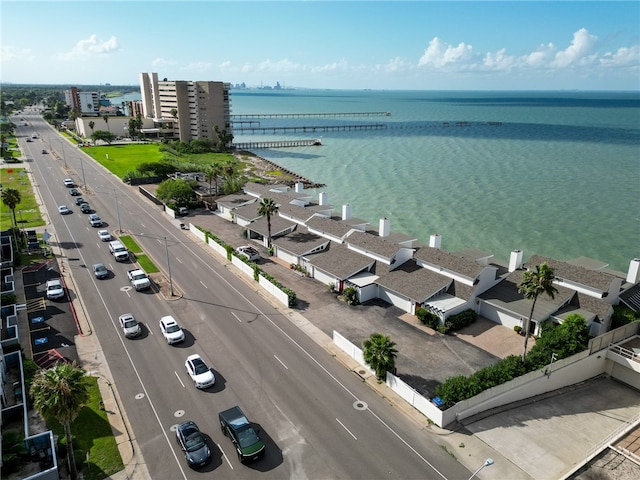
<point x="381" y="45"/>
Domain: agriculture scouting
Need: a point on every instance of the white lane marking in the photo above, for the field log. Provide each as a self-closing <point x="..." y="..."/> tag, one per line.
<point x="348" y="431"/>
<point x="202" y="283"/>
<point x="149" y="329"/>
<point x="178" y="259"/>
<point x="178" y="377"/>
<point x="237" y="318"/>
<point x="281" y="362"/>
<point x="225" y="456"/>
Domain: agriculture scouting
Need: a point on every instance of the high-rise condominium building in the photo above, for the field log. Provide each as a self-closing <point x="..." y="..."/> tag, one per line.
<point x="186" y="110"/>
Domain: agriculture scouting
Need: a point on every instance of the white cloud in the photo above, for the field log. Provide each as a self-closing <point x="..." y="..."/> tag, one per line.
<point x="91" y="46"/>
<point x="339" y="66"/>
<point x="579" y="52"/>
<point x="162" y="62"/>
<point x="281" y="66"/>
<point x="395" y="65"/>
<point x="10" y="54"/>
<point x="540" y="57"/>
<point x="624" y="57"/>
<point x="441" y="54"/>
<point x="197" y="67"/>
<point x="499" y="61"/>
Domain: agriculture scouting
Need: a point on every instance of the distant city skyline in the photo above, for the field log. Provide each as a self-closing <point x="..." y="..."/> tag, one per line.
<point x="428" y="45"/>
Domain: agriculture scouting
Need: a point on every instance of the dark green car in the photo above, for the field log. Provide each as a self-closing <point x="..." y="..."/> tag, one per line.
<point x="236" y="426"/>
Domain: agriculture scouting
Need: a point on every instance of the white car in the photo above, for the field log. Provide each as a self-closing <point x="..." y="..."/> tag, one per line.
<point x="104" y="235"/>
<point x="95" y="220"/>
<point x="55" y="289"/>
<point x="129" y="325"/>
<point x="199" y="371"/>
<point x="171" y="331"/>
<point x="249" y="252"/>
<point x="63" y="210"/>
<point x="69" y="183"/>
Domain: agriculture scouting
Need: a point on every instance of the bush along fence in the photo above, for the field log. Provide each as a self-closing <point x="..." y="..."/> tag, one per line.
<point x="284" y="295"/>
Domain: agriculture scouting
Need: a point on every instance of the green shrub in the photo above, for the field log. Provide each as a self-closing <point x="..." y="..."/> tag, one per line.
<point x="350" y="295"/>
<point x="8" y="298"/>
<point x="461" y="320"/>
<point x="427" y="318"/>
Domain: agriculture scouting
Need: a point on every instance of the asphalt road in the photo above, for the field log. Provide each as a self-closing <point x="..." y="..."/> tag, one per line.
<point x="317" y="419"/>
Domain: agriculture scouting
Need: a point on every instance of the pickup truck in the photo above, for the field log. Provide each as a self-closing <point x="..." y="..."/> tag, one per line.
<point x="236" y="426"/>
<point x="119" y="251"/>
<point x="139" y="279"/>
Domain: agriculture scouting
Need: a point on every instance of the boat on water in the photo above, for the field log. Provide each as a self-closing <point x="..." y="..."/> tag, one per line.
<point x="317" y="141"/>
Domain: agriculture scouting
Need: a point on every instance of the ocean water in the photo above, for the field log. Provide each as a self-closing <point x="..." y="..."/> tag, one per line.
<point x="549" y="173"/>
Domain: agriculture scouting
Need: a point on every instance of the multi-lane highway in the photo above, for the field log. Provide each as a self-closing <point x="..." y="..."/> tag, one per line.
<point x="318" y="420"/>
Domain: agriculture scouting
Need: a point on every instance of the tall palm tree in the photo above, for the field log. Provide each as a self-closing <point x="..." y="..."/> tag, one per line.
<point x="91" y="125"/>
<point x="61" y="392"/>
<point x="106" y="120"/>
<point x="380" y="354"/>
<point x="12" y="198"/>
<point x="532" y="285"/>
<point x="268" y="208"/>
<point x="212" y="174"/>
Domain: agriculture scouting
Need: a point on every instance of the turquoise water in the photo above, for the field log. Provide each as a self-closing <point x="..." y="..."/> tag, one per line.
<point x="558" y="175"/>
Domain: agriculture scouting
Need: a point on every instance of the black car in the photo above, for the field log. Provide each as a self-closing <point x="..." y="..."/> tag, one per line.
<point x="79" y="200"/>
<point x="236" y="426"/>
<point x="85" y="208"/>
<point x="74" y="192"/>
<point x="194" y="444"/>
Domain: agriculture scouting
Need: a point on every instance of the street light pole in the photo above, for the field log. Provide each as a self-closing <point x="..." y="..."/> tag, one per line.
<point x="115" y="193"/>
<point x="166" y="246"/>
<point x="84" y="182"/>
<point x="487" y="463"/>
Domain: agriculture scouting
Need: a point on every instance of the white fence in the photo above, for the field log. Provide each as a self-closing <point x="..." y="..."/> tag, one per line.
<point x="246" y="269"/>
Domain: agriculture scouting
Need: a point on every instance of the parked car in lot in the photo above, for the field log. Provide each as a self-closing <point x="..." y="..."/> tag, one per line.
<point x="193" y="443"/>
<point x="199" y="371"/>
<point x="171" y="331"/>
<point x="130" y="326"/>
<point x="63" y="210"/>
<point x="74" y="192"/>
<point x="55" y="289"/>
<point x="85" y="207"/>
<point x="69" y="183"/>
<point x="95" y="220"/>
<point x="249" y="252"/>
<point x="100" y="271"/>
<point x="79" y="200"/>
<point x="236" y="426"/>
<point x="104" y="235"/>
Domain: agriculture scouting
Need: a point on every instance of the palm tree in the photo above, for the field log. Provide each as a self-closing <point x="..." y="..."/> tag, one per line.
<point x="212" y="174"/>
<point x="532" y="285"/>
<point x="106" y="120"/>
<point x="91" y="125"/>
<point x="268" y="207"/>
<point x="12" y="198"/>
<point x="380" y="354"/>
<point x="61" y="392"/>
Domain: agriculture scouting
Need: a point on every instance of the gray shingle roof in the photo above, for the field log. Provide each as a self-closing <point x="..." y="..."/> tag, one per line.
<point x="236" y="200"/>
<point x="300" y="242"/>
<point x="449" y="261"/>
<point x="413" y="281"/>
<point x="574" y="273"/>
<point x="330" y="226"/>
<point x="373" y="243"/>
<point x="248" y="212"/>
<point x="279" y="226"/>
<point x="339" y="261"/>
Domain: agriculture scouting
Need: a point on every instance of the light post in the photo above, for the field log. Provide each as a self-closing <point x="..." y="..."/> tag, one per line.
<point x="166" y="248"/>
<point x="115" y="193"/>
<point x="487" y="463"/>
<point x="84" y="182"/>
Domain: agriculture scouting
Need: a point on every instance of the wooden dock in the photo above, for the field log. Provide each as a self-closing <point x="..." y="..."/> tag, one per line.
<point x="309" y="115"/>
<point x="310" y="128"/>
<point x="278" y="144"/>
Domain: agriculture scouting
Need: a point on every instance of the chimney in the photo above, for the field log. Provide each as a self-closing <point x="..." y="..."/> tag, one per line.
<point x="299" y="187"/>
<point x="435" y="241"/>
<point x="346" y="211"/>
<point x="633" y="276"/>
<point x="515" y="260"/>
<point x="322" y="198"/>
<point x="383" y="230"/>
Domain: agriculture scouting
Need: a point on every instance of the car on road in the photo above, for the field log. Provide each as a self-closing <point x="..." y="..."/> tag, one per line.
<point x="55" y="289"/>
<point x="130" y="326"/>
<point x="193" y="443"/>
<point x="95" y="220"/>
<point x="79" y="200"/>
<point x="74" y="192"/>
<point x="104" y="235"/>
<point x="85" y="207"/>
<point x="236" y="426"/>
<point x="69" y="183"/>
<point x="44" y="151"/>
<point x="63" y="210"/>
<point x="199" y="371"/>
<point x="29" y="140"/>
<point x="171" y="331"/>
<point x="100" y="271"/>
<point x="248" y="252"/>
<point x="182" y="211"/>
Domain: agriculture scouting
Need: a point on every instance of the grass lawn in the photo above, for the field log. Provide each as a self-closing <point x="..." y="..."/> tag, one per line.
<point x="17" y="179"/>
<point x="121" y="159"/>
<point x="93" y="435"/>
